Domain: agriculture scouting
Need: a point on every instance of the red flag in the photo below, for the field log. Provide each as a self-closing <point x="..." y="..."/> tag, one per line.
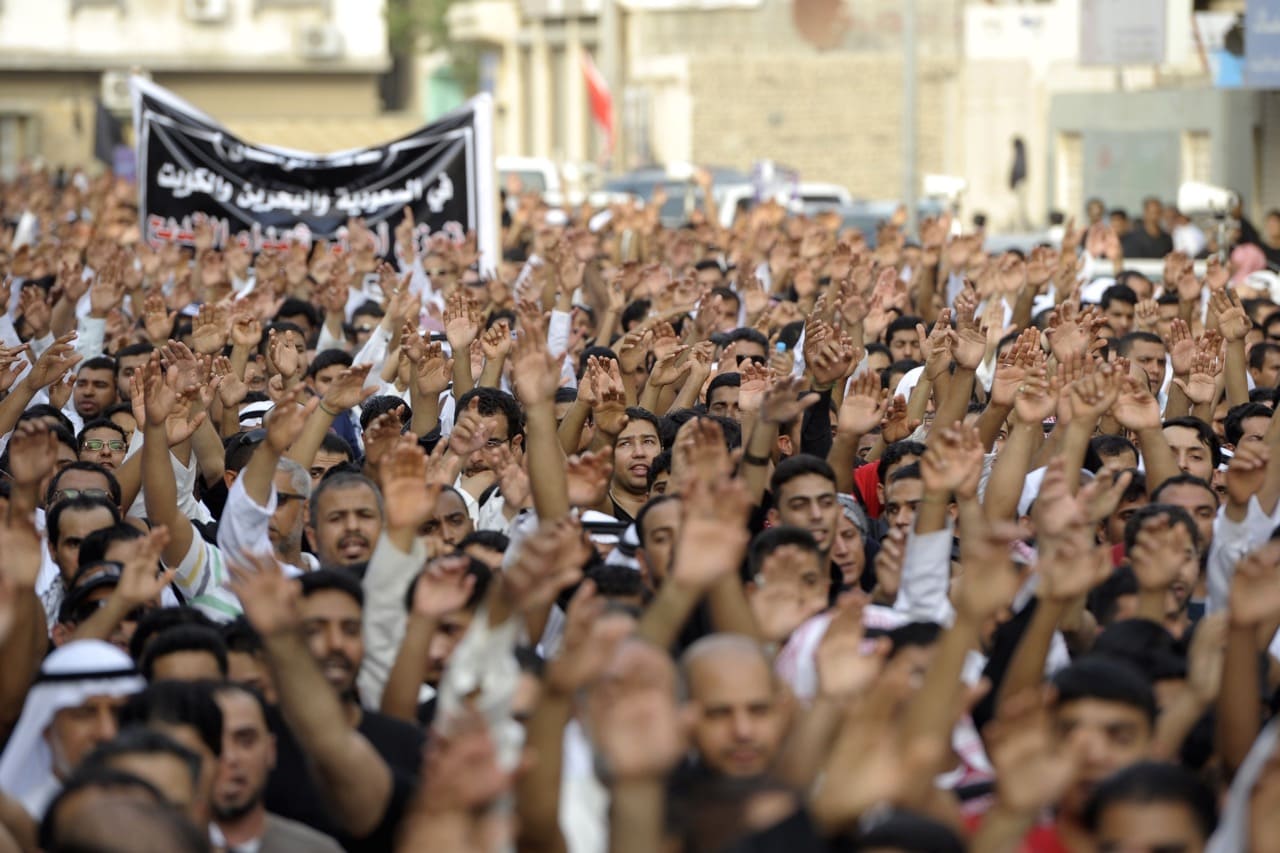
<point x="600" y="96"/>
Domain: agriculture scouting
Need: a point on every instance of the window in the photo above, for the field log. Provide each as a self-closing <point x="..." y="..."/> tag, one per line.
<point x="1069" y="172"/>
<point x="1197" y="156"/>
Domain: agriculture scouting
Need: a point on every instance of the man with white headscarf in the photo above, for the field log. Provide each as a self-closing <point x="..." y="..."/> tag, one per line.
<point x="69" y="710"/>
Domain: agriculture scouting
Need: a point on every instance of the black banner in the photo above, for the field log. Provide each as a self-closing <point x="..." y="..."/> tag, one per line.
<point x="266" y="197"/>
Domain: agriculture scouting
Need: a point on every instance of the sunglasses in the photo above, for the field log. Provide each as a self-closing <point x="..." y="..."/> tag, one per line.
<point x="72" y="494"/>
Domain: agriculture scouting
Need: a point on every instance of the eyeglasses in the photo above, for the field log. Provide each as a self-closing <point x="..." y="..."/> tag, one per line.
<point x="285" y="497"/>
<point x="115" y="444"/>
<point x="72" y="494"/>
<point x="496" y="442"/>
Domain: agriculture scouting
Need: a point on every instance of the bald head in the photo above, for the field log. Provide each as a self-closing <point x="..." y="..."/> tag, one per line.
<point x="741" y="715"/>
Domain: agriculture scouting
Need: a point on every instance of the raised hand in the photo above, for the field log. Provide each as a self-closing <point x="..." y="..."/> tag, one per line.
<point x="347" y="390"/>
<point x="286" y="419"/>
<point x="444" y="587"/>
<point x="671" y="368"/>
<point x="107" y="292"/>
<point x="786" y="401"/>
<point x="897" y="423"/>
<point x="1012" y="367"/>
<point x="989" y="580"/>
<point x="1201" y="385"/>
<point x="231" y="388"/>
<point x="461" y="322"/>
<point x="157" y="319"/>
<point x="1070" y="567"/>
<point x="549" y="561"/>
<point x="846" y="669"/>
<point x="1159" y="552"/>
<point x="54" y="362"/>
<point x="713" y="537"/>
<point x="282" y="353"/>
<point x="1135" y="408"/>
<point x="1255" y="587"/>
<point x="33" y="453"/>
<point x="588" y="477"/>
<point x="534" y="371"/>
<point x="864" y="406"/>
<point x="209" y="329"/>
<point x="641" y="734"/>
<point x="968" y="344"/>
<point x="140" y="582"/>
<point x="1233" y="322"/>
<point x="1033" y="767"/>
<point x="269" y="599"/>
<point x="246" y="331"/>
<point x="1247" y="471"/>
<point x="1182" y="347"/>
<point x="36" y="310"/>
<point x="495" y="343"/>
<point x="755" y="380"/>
<point x="382" y="433"/>
<point x="610" y="409"/>
<point x="590" y="641"/>
<point x="469" y="433"/>
<point x="953" y="461"/>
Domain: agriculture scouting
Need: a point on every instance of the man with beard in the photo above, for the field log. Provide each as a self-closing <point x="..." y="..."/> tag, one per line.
<point x="331" y="609"/>
<point x="248" y="757"/>
<point x="345" y="519"/>
<point x="94" y="391"/>
<point x="502" y="422"/>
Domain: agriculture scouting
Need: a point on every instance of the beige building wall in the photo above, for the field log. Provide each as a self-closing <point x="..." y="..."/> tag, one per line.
<point x="834" y="117"/>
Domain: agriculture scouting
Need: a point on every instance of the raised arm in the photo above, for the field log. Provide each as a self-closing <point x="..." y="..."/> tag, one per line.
<point x="354" y="780"/>
<point x="536" y="374"/>
<point x="344" y="392"/>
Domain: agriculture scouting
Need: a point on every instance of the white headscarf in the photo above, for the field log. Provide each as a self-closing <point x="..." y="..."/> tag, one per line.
<point x="68" y="677"/>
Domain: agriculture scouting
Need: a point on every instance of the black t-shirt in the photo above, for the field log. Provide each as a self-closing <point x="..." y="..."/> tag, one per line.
<point x="1139" y="244"/>
<point x="292" y="791"/>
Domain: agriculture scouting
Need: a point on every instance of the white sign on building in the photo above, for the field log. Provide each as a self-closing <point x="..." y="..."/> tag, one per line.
<point x="1122" y="32"/>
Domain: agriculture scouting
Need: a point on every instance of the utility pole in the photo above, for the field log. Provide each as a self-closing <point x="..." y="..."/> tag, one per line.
<point x="910" y="183"/>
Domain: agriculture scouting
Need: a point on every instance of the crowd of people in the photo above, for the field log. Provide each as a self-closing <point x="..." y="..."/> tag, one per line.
<point x="773" y="537"/>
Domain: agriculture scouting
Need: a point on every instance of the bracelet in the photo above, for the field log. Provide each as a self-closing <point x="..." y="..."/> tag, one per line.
<point x="748" y="459"/>
<point x="326" y="410"/>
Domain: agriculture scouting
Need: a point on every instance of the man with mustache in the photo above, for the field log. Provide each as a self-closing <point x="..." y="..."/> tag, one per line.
<point x="345" y="519"/>
<point x="331" y="608"/>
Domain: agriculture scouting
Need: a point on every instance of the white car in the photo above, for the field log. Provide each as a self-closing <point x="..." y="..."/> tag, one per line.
<point x="535" y="174"/>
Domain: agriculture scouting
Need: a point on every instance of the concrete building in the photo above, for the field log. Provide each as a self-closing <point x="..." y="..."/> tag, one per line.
<point x="729" y="82"/>
<point x="301" y="73"/>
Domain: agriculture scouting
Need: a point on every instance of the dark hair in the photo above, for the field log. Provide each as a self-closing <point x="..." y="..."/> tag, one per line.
<point x="185" y="703"/>
<point x="101" y="362"/>
<point x="1145" y="644"/>
<point x="1103" y="600"/>
<point x="1124" y="345"/>
<point x="1118" y="293"/>
<point x="93" y="548"/>
<point x="498" y="316"/>
<point x="1154" y="782"/>
<point x="798" y="466"/>
<point x="1204" y="433"/>
<point x="239" y="448"/>
<point x="895" y="453"/>
<point x="746" y="333"/>
<point x="1233" y="426"/>
<point x="908" y="831"/>
<point x="82" y="503"/>
<point x="113" y="485"/>
<point x="906" y="323"/>
<point x="340" y="480"/>
<point x="590" y="352"/>
<point x="902" y="365"/>
<point x="161" y="619"/>
<point x="332" y="579"/>
<point x="635" y="413"/>
<point x="85" y="778"/>
<point x="491" y="539"/>
<point x="132" y="350"/>
<point x="184" y="638"/>
<point x="770" y="540"/>
<point x="634" y="313"/>
<point x="1175" y="514"/>
<point x="790" y="333"/>
<point x="723" y="380"/>
<point x="239" y="636"/>
<point x="368" y="308"/>
<point x="495" y="402"/>
<point x="44" y="410"/>
<point x="724" y="292"/>
<point x="334" y="443"/>
<point x="98" y="423"/>
<point x="328" y="358"/>
<point x="917" y="634"/>
<point x="140" y="740"/>
<point x="660" y="465"/>
<point x="1107" y="445"/>
<point x="1181" y="479"/>
<point x="293" y="306"/>
<point x="380" y="405"/>
<point x="614" y="581"/>
<point x="906" y="472"/>
<point x="658" y="500"/>
<point x="1095" y="677"/>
